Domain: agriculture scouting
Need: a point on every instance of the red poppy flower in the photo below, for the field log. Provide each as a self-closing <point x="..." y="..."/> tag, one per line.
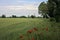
<point x="21" y="36"/>
<point x="47" y="29"/>
<point x="33" y="39"/>
<point x="35" y="29"/>
<point x="29" y="31"/>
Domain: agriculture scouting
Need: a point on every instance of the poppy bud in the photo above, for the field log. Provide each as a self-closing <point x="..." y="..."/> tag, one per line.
<point x="29" y="31"/>
<point x="35" y="29"/>
<point x="47" y="29"/>
<point x="21" y="36"/>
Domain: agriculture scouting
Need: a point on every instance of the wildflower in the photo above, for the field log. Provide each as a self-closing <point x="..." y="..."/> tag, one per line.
<point x="35" y="29"/>
<point x="29" y="31"/>
<point x="21" y="36"/>
<point x="47" y="29"/>
<point x="33" y="39"/>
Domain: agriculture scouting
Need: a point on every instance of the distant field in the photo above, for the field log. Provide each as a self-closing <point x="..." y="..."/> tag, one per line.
<point x="12" y="28"/>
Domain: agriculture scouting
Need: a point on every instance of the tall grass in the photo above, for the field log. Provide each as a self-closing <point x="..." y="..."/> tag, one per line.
<point x="28" y="29"/>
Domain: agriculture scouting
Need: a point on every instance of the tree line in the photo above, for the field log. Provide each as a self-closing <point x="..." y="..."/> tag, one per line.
<point x="50" y="9"/>
<point x="14" y="16"/>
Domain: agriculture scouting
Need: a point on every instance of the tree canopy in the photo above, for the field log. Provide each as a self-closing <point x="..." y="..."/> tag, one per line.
<point x="52" y="8"/>
<point x="42" y="9"/>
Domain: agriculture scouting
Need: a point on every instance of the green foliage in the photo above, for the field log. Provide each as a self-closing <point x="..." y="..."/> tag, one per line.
<point x="23" y="17"/>
<point x="14" y="16"/>
<point x="32" y="16"/>
<point x="52" y="19"/>
<point x="43" y="8"/>
<point x="54" y="9"/>
<point x="51" y="6"/>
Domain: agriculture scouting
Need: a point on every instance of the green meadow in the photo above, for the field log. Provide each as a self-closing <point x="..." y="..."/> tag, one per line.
<point x="12" y="28"/>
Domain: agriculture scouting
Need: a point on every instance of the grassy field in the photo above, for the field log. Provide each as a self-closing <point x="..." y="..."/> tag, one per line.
<point x="12" y="28"/>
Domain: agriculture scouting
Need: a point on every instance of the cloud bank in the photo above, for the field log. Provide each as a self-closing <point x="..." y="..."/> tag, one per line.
<point x="19" y="7"/>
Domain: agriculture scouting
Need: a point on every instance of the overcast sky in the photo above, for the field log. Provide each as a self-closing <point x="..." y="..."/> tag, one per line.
<point x="19" y="7"/>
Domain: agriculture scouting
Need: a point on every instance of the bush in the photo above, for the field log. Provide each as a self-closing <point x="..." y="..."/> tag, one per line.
<point x="57" y="18"/>
<point x="52" y="19"/>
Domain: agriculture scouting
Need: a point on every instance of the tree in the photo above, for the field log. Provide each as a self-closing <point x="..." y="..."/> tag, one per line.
<point x="23" y="17"/>
<point x="32" y="16"/>
<point x="54" y="9"/>
<point x="42" y="9"/>
<point x="3" y="16"/>
<point x="50" y="8"/>
<point x="14" y="16"/>
<point x="57" y="12"/>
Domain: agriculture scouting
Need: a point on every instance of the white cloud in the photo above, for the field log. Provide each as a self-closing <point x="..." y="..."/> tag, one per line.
<point x="19" y="10"/>
<point x="19" y="7"/>
<point x="25" y="7"/>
